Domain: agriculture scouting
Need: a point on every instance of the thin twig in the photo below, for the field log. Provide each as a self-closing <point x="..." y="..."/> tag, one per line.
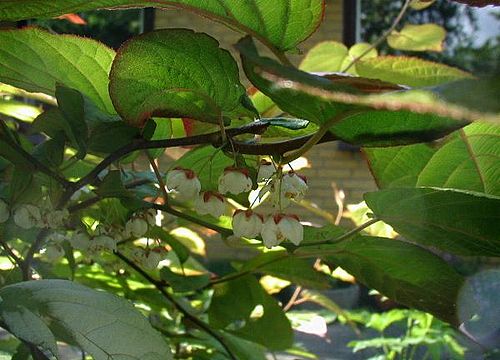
<point x="159" y="286"/>
<point x="161" y="183"/>
<point x="28" y="259"/>
<point x="16" y="259"/>
<point x="344" y="236"/>
<point x="382" y="38"/>
<point x="293" y="299"/>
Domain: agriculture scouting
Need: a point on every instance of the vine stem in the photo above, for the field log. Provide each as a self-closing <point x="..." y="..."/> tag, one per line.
<point x="318" y="135"/>
<point x="161" y="183"/>
<point x="382" y="38"/>
<point x="158" y="285"/>
<point x="16" y="259"/>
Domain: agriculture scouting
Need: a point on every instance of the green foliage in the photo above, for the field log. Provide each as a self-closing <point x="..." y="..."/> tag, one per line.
<point x="87" y="198"/>
<point x="41" y="311"/>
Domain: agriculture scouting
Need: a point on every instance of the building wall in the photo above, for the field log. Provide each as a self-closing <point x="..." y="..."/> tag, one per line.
<point x="347" y="169"/>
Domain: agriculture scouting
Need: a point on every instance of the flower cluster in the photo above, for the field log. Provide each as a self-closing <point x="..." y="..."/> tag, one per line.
<point x="283" y="188"/>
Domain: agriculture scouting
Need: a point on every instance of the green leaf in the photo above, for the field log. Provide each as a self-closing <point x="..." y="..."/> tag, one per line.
<point x="406" y="273"/>
<point x="459" y="222"/>
<point x="469" y="160"/>
<point x="110" y="329"/>
<point x="112" y="186"/>
<point x="271" y="329"/>
<point x="107" y="137"/>
<point x="409" y="71"/>
<point x="368" y="127"/>
<point x="282" y="23"/>
<point x="479" y="307"/>
<point x="163" y="130"/>
<point x="36" y="60"/>
<point x="284" y="266"/>
<point x="50" y="152"/>
<point x="425" y="37"/>
<point x="183" y="283"/>
<point x="19" y="110"/>
<point x="176" y="73"/>
<point x="421" y="4"/>
<point x="71" y="105"/>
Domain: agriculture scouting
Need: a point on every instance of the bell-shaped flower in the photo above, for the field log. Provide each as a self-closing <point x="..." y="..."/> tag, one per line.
<point x="183" y="183"/>
<point x="210" y="202"/>
<point x="27" y="216"/>
<point x="4" y="211"/>
<point x="101" y="243"/>
<point x="281" y="227"/>
<point x="152" y="258"/>
<point x="247" y="223"/>
<point x="291" y="187"/>
<point x="55" y="219"/>
<point x="80" y="240"/>
<point x="53" y="252"/>
<point x="235" y="181"/>
<point x="136" y="227"/>
<point x="266" y="170"/>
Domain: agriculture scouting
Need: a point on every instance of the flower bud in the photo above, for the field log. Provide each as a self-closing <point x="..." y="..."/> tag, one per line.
<point x="27" y="216"/>
<point x="80" y="240"/>
<point x="4" y="211"/>
<point x="234" y="181"/>
<point x="247" y="224"/>
<point x="102" y="242"/>
<point x="210" y="202"/>
<point x="280" y="227"/>
<point x="53" y="252"/>
<point x="184" y="183"/>
<point x="136" y="227"/>
<point x="266" y="170"/>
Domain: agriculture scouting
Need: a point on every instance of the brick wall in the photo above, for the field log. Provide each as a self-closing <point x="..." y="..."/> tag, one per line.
<point x="328" y="164"/>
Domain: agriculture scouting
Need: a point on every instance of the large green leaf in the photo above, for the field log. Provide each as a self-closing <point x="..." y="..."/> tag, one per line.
<point x="269" y="326"/>
<point x="409" y="71"/>
<point x="459" y="222"/>
<point x="103" y="325"/>
<point x="469" y="160"/>
<point x="401" y="271"/>
<point x="19" y="110"/>
<point x="425" y="37"/>
<point x="367" y="126"/>
<point x="280" y="23"/>
<point x="176" y="73"/>
<point x="285" y="266"/>
<point x="36" y="60"/>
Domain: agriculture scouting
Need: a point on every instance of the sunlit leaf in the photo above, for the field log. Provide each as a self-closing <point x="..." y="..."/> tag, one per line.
<point x="426" y="37"/>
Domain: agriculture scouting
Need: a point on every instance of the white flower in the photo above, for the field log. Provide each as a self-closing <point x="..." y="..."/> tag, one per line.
<point x="291" y="187"/>
<point x="280" y="227"/>
<point x="53" y="252"/>
<point x="183" y="183"/>
<point x="80" y="240"/>
<point x="210" y="202"/>
<point x="150" y="216"/>
<point x="234" y="181"/>
<point x="27" y="216"/>
<point x="136" y="227"/>
<point x="247" y="224"/>
<point x="152" y="259"/>
<point x="102" y="242"/>
<point x="55" y="219"/>
<point x="4" y="211"/>
<point x="266" y="170"/>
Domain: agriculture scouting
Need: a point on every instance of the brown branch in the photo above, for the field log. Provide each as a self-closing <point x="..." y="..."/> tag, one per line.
<point x="159" y="286"/>
<point x="28" y="259"/>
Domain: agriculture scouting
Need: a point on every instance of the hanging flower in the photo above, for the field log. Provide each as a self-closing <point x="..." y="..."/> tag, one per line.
<point x="247" y="223"/>
<point x="55" y="219"/>
<point x="184" y="183"/>
<point x="152" y="258"/>
<point x="53" y="252"/>
<point x="27" y="216"/>
<point x="4" y="211"/>
<point x="210" y="202"/>
<point x="235" y="181"/>
<point x="281" y="227"/>
<point x="101" y="243"/>
<point x="80" y="240"/>
<point x="291" y="187"/>
<point x="266" y="170"/>
<point x="136" y="227"/>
